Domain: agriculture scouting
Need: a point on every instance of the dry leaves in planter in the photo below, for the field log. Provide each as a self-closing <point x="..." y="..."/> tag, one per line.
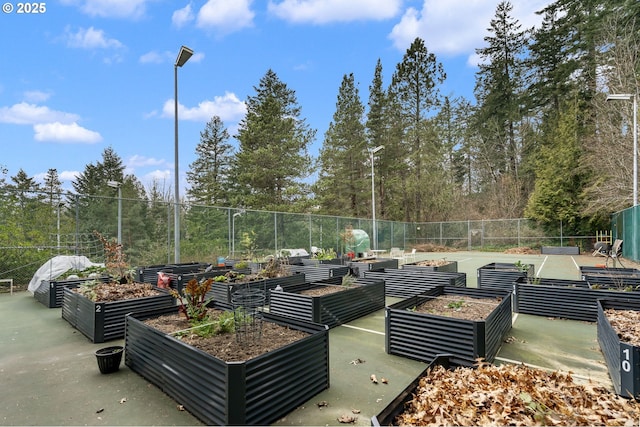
<point x="513" y="395"/>
<point x="626" y="323"/>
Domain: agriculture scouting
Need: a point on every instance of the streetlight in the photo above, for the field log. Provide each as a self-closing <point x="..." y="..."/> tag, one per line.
<point x="233" y="232"/>
<point x="183" y="56"/>
<point x="628" y="97"/>
<point x="118" y="185"/>
<point x="373" y="196"/>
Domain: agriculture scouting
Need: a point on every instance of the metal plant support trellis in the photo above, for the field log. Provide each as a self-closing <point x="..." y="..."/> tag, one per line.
<point x="248" y="305"/>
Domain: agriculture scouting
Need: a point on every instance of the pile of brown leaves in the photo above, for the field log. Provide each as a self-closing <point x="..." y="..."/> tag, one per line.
<point x="626" y="323"/>
<point x="106" y="292"/>
<point x="513" y="395"/>
<point x="522" y="250"/>
<point x="433" y="262"/>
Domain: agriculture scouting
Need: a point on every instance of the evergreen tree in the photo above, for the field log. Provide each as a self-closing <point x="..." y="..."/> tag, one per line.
<point x="415" y="84"/>
<point x="273" y="158"/>
<point x="209" y="173"/>
<point x="377" y="131"/>
<point x="342" y="178"/>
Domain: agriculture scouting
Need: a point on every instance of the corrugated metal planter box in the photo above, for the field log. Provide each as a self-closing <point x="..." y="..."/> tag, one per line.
<point x="314" y="261"/>
<point x="407" y="283"/>
<point x="422" y="336"/>
<point x="607" y="271"/>
<point x="560" y="250"/>
<point x="362" y="298"/>
<point x="502" y="275"/>
<point x="149" y="274"/>
<point x="51" y="292"/>
<point x="387" y="416"/>
<point x="613" y="281"/>
<point x="623" y="359"/>
<point x="568" y="299"/>
<point x="104" y="321"/>
<point x="358" y="268"/>
<point x="254" y="392"/>
<point x="221" y="292"/>
<point x="449" y="267"/>
<point x="316" y="272"/>
<point x="179" y="281"/>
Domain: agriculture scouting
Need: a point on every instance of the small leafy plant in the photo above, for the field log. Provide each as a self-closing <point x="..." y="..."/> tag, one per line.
<point x="194" y="302"/>
<point x="456" y="305"/>
<point x="348" y="281"/>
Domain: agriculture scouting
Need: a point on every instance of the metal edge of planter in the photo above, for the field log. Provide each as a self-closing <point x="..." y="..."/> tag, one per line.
<point x="622" y="359"/>
<point x="320" y="271"/>
<point x="615" y="281"/>
<point x="105" y="321"/>
<point x="221" y="291"/>
<point x="50" y="293"/>
<point x="567" y="299"/>
<point x="560" y="250"/>
<point x="450" y="267"/>
<point x="407" y="283"/>
<point x="607" y="271"/>
<point x="180" y="280"/>
<point x="387" y="416"/>
<point x="258" y="391"/>
<point x="315" y="261"/>
<point x="421" y="336"/>
<point x="360" y="268"/>
<point x="501" y="275"/>
<point x="364" y="297"/>
<point x="149" y="274"/>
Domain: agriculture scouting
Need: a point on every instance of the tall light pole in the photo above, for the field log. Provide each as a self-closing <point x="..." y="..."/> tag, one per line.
<point x="118" y="185"/>
<point x="183" y="56"/>
<point x="373" y="196"/>
<point x="233" y="232"/>
<point x="629" y="97"/>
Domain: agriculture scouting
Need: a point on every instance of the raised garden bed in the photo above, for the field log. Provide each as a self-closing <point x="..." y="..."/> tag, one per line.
<point x="257" y="391"/>
<point x="315" y="261"/>
<point x="149" y="274"/>
<point x="314" y="273"/>
<point x="501" y="275"/>
<point x="104" y="321"/>
<point x="359" y="267"/>
<point x="407" y="283"/>
<point x="221" y="292"/>
<point x="179" y="280"/>
<point x="560" y="250"/>
<point x="567" y="299"/>
<point x="445" y="394"/>
<point x="329" y="308"/>
<point x="622" y="356"/>
<point x="50" y="293"/>
<point x="433" y="265"/>
<point x="422" y="336"/>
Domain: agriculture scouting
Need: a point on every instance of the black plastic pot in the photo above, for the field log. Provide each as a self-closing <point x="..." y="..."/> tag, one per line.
<point x="422" y="336"/>
<point x="109" y="359"/>
<point x="623" y="359"/>
<point x="257" y="391"/>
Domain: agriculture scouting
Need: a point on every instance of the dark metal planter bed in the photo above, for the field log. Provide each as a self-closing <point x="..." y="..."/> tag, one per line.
<point x="567" y="299"/>
<point x="358" y="268"/>
<point x="502" y="275"/>
<point x="387" y="417"/>
<point x="221" y="292"/>
<point x="362" y="298"/>
<point x="51" y="292"/>
<point x="314" y="261"/>
<point x="422" y="336"/>
<point x="623" y="359"/>
<point x="179" y="281"/>
<point x="149" y="274"/>
<point x="407" y="283"/>
<point x="104" y="321"/>
<point x="560" y="250"/>
<point x="258" y="391"/>
<point x="449" y="267"/>
<point x="316" y="272"/>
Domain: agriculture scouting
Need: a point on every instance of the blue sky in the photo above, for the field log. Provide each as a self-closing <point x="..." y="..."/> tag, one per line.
<point x="83" y="75"/>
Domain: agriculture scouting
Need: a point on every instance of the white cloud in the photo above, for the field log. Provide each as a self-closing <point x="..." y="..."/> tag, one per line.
<point x="154" y="57"/>
<point x="227" y="107"/>
<point x="90" y="38"/>
<point x="183" y="16"/>
<point x="225" y="16"/>
<point x="324" y="11"/>
<point x="28" y="114"/>
<point x="457" y="26"/>
<point x="130" y="9"/>
<point x="158" y="175"/>
<point x="136" y="161"/>
<point x="68" y="175"/>
<point x="36" y="96"/>
<point x="60" y="132"/>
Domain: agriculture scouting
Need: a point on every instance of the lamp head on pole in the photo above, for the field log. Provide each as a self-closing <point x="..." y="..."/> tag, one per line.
<point x="375" y="150"/>
<point x="183" y="56"/>
<point x="620" y="96"/>
<point x="114" y="184"/>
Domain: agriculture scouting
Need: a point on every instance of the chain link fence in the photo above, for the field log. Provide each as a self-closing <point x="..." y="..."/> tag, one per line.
<point x="37" y="227"/>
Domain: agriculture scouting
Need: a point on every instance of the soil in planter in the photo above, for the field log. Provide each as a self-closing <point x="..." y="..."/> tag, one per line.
<point x="225" y="346"/>
<point x="459" y="307"/>
<point x="626" y="323"/>
<point x="513" y="395"/>
<point x="433" y="263"/>
<point x="322" y="290"/>
<point x="108" y="292"/>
